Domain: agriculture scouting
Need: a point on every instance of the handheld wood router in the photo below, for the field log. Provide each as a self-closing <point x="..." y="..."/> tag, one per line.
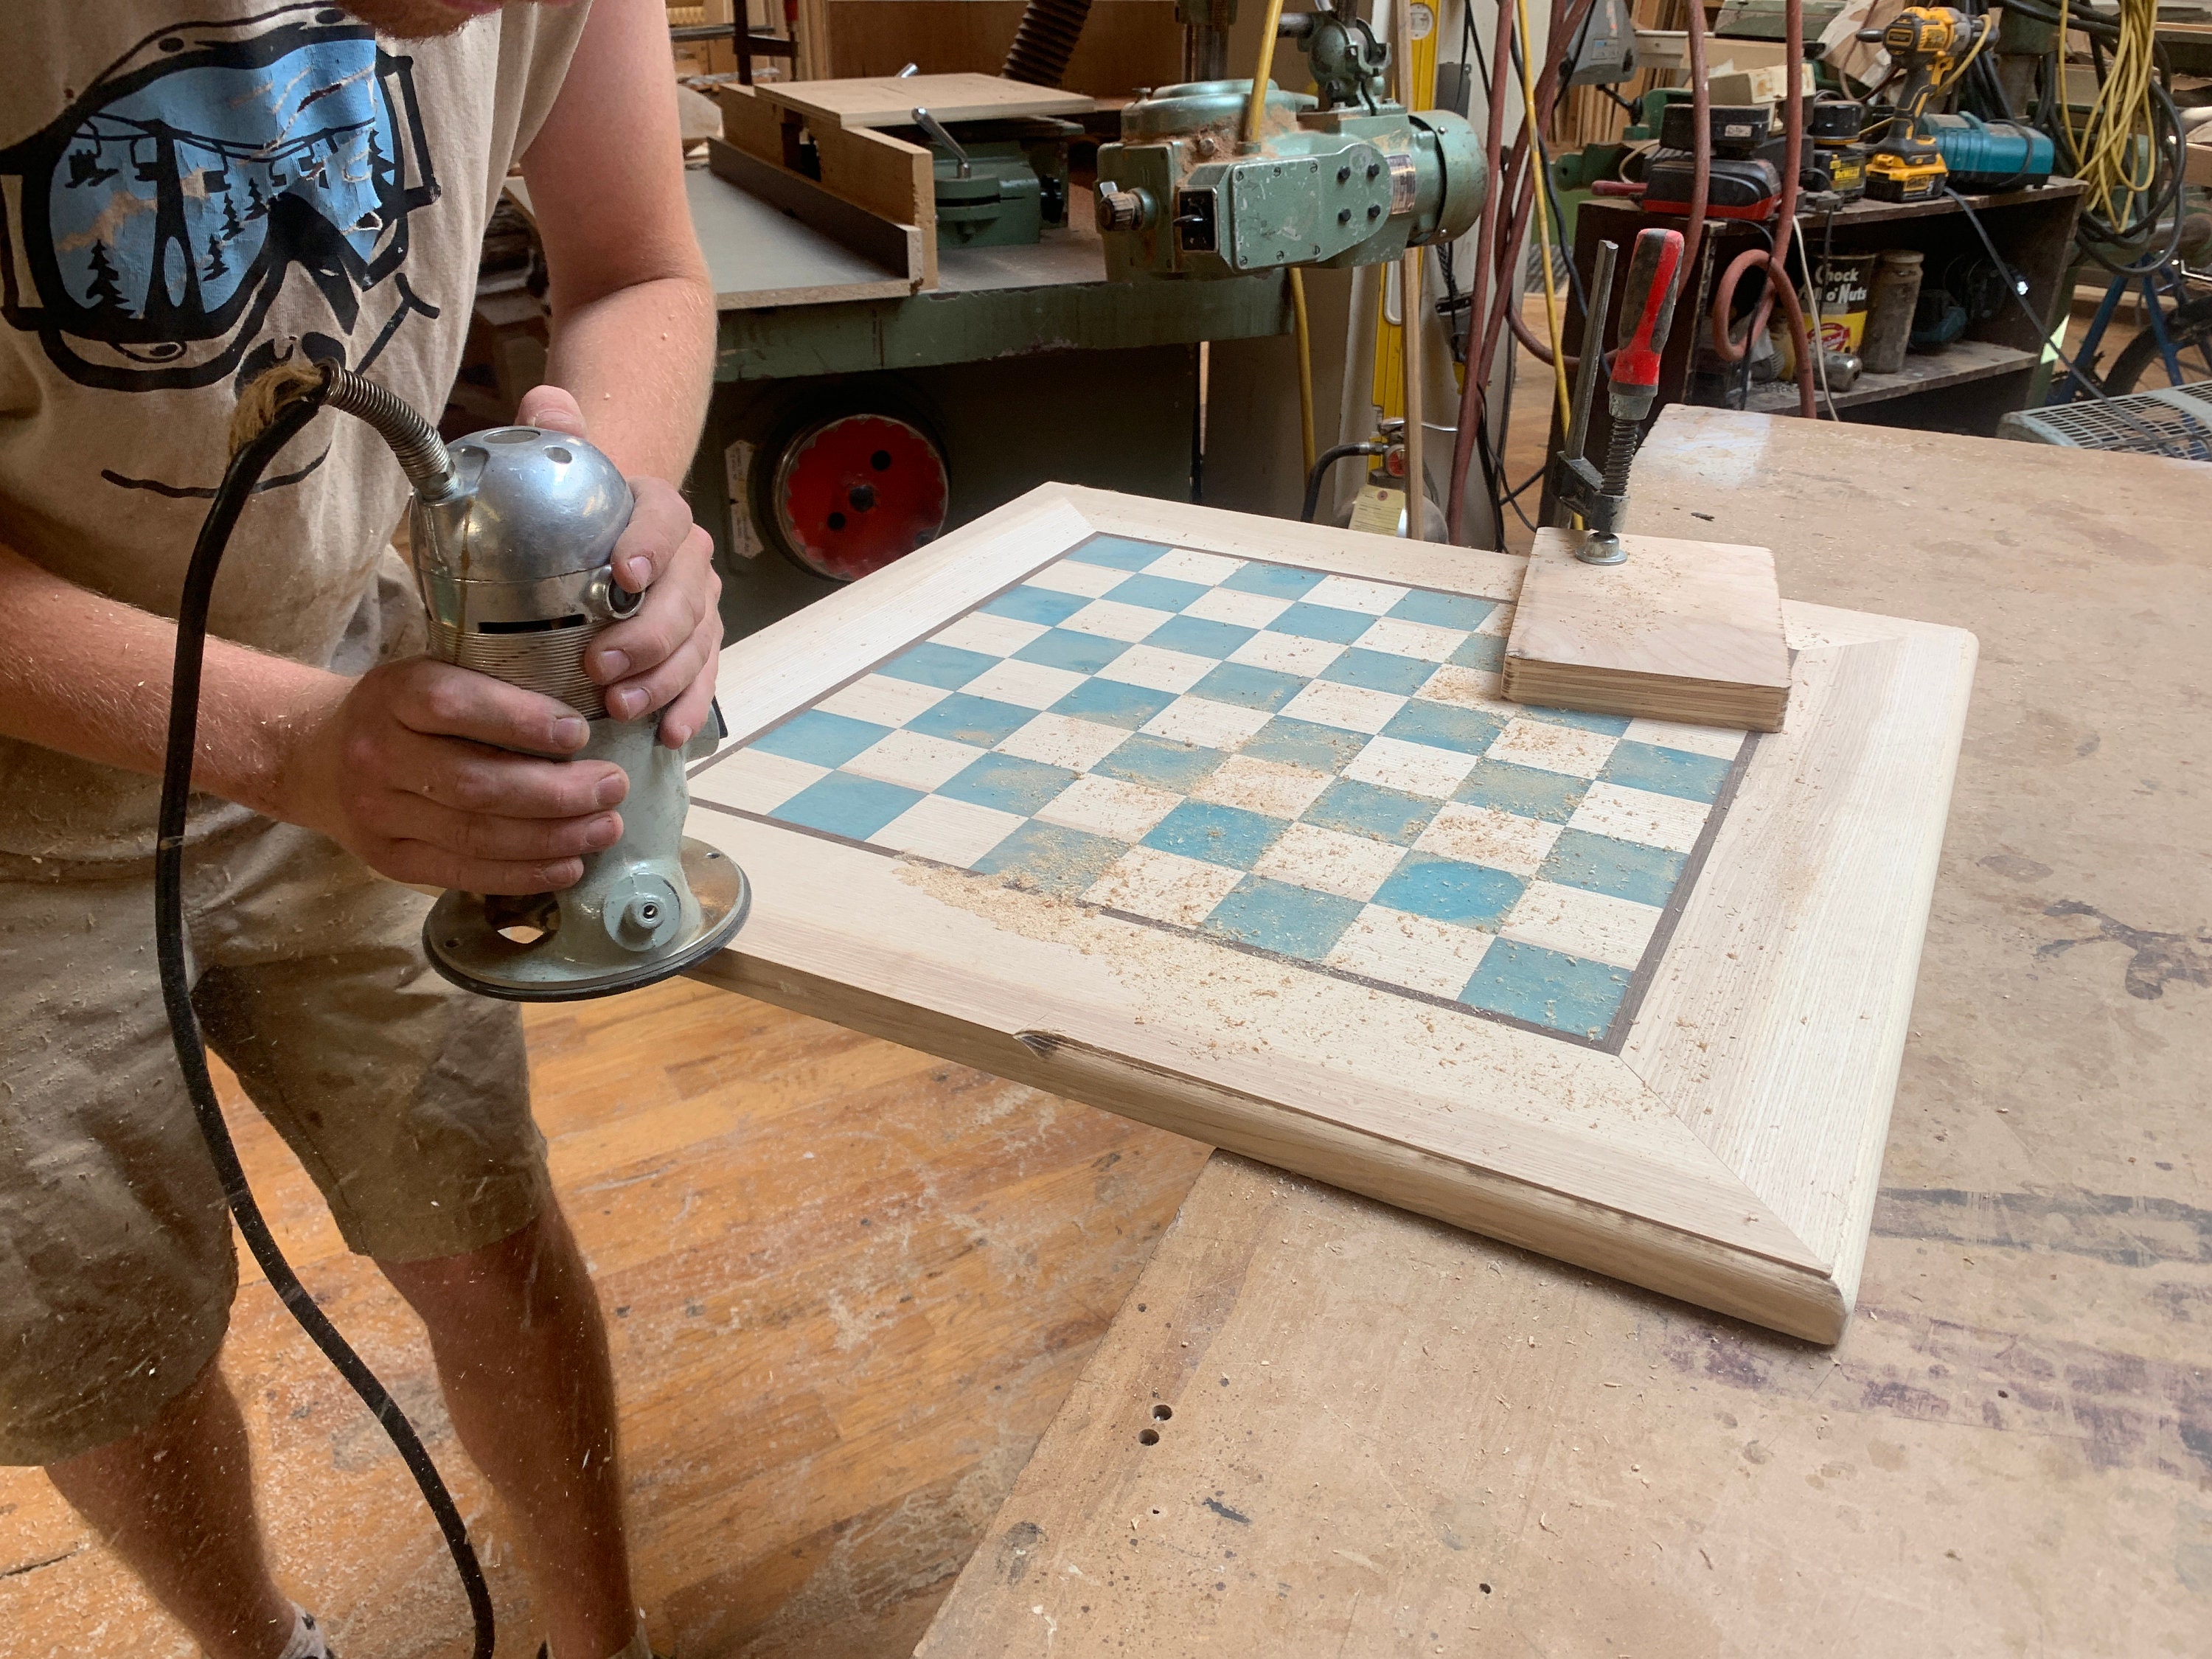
<point x="514" y="534"/>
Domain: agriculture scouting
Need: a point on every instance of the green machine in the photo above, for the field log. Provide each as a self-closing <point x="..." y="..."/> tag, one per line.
<point x="1351" y="178"/>
<point x="998" y="183"/>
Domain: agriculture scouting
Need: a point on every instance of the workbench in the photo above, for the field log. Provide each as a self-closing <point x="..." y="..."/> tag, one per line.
<point x="1323" y="1425"/>
<point x="1025" y="364"/>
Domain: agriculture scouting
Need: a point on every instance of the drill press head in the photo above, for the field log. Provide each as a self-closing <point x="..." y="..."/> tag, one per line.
<point x="514" y="539"/>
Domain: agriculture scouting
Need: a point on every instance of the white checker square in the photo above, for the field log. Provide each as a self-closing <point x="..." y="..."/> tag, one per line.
<point x="1025" y="684"/>
<point x="1158" y="669"/>
<point x="883" y="700"/>
<point x="1721" y="742"/>
<point x="1109" y="619"/>
<point x="1597" y="927"/>
<point x="756" y="781"/>
<point x="1208" y="724"/>
<point x="1064" y="740"/>
<point x="1352" y="708"/>
<point x="911" y="758"/>
<point x="1414" y="951"/>
<point x="1330" y="861"/>
<point x="1485" y="835"/>
<point x="1640" y="815"/>
<point x="1425" y="642"/>
<point x="1165" y="886"/>
<point x="1414" y="768"/>
<point x="1186" y="564"/>
<point x="994" y="636"/>
<point x="1467" y="688"/>
<point x="951" y="831"/>
<point x="1498" y="622"/>
<point x="1350" y="594"/>
<point x="1265" y="787"/>
<point x="1109" y="807"/>
<point x="1287" y="652"/>
<point x="1569" y="749"/>
<point x="1073" y="576"/>
<point x="1228" y="604"/>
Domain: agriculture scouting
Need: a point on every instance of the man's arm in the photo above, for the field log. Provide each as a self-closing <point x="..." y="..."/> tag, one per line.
<point x="423" y="769"/>
<point x="633" y="344"/>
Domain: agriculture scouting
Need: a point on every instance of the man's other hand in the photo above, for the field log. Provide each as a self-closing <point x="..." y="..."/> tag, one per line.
<point x="413" y="768"/>
<point x="663" y="656"/>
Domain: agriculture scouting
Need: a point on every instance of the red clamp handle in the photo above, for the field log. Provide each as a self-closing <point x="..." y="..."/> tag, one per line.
<point x="1647" y="308"/>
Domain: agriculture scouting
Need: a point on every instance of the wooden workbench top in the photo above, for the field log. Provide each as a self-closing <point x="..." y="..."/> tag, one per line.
<point x="1319" y="1426"/>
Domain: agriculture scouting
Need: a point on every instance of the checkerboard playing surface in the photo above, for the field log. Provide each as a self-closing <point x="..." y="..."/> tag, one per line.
<point x="1311" y="767"/>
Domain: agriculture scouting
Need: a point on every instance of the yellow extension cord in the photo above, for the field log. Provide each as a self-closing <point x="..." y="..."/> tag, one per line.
<point x="2105" y="143"/>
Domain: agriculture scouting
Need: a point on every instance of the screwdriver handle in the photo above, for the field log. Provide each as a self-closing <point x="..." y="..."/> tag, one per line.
<point x="1646" y="310"/>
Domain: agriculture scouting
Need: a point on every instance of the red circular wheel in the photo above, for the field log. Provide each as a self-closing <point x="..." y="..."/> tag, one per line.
<point x="855" y="492"/>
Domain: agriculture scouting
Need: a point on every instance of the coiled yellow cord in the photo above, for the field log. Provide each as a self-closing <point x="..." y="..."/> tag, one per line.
<point x="2107" y="157"/>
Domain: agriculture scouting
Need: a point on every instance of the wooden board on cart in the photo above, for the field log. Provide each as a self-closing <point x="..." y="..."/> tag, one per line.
<point x="1220" y="822"/>
<point x="888" y="101"/>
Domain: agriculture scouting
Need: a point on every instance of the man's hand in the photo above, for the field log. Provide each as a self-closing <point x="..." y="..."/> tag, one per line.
<point x="662" y="657"/>
<point x="412" y="768"/>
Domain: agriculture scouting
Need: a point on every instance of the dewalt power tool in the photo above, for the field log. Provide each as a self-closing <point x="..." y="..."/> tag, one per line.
<point x="1930" y="44"/>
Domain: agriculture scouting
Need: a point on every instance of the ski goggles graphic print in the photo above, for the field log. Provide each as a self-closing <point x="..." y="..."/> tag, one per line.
<point x="150" y="227"/>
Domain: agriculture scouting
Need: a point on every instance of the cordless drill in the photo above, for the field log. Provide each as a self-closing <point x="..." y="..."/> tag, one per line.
<point x="1925" y="42"/>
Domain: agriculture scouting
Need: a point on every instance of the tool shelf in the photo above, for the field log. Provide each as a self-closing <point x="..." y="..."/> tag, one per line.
<point x="1996" y="367"/>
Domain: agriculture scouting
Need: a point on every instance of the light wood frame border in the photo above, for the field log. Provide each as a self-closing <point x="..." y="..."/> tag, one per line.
<point x="1727" y="1154"/>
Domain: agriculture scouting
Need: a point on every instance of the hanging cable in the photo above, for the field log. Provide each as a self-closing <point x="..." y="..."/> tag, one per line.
<point x="300" y="401"/>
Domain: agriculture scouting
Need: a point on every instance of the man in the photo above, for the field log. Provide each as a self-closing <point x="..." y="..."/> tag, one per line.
<point x="193" y="192"/>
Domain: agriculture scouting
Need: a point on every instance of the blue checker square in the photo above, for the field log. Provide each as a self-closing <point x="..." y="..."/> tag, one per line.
<point x="1379" y="671"/>
<point x="1197" y="637"/>
<point x="1305" y="743"/>
<point x="1524" y="791"/>
<point x="821" y="738"/>
<point x="1009" y="783"/>
<point x="1599" y="864"/>
<point x="1444" y="610"/>
<point x="1118" y="552"/>
<point x="1110" y="702"/>
<point x="1161" y="764"/>
<point x="1440" y="726"/>
<point x="844" y="805"/>
<point x="1217" y="834"/>
<point x="1445" y="890"/>
<point x="1666" y="771"/>
<point x="930" y="663"/>
<point x="963" y="717"/>
<point x="1322" y="621"/>
<point x="1047" y="858"/>
<point x="1369" y="810"/>
<point x="1158" y="592"/>
<point x="1560" y="993"/>
<point x="1275" y="581"/>
<point x="1034" y="604"/>
<point x="1249" y="687"/>
<point x="1079" y="653"/>
<point x="1485" y="652"/>
<point x="1273" y="915"/>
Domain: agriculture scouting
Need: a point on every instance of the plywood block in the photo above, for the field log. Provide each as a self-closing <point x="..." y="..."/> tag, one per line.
<point x="1682" y="631"/>
<point x="881" y="175"/>
<point x="888" y="101"/>
<point x="853" y="254"/>
<point x="1220" y="823"/>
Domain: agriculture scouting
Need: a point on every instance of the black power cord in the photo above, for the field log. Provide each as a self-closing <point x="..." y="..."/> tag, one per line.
<point x="231" y="496"/>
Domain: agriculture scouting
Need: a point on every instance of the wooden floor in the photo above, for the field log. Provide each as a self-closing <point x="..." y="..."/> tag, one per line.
<point x="847" y="1285"/>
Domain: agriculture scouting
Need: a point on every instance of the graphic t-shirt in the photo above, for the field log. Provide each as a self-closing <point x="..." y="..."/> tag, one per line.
<point x="191" y="191"/>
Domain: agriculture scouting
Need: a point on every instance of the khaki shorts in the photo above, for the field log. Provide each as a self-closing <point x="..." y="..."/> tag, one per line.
<point x="407" y="1099"/>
